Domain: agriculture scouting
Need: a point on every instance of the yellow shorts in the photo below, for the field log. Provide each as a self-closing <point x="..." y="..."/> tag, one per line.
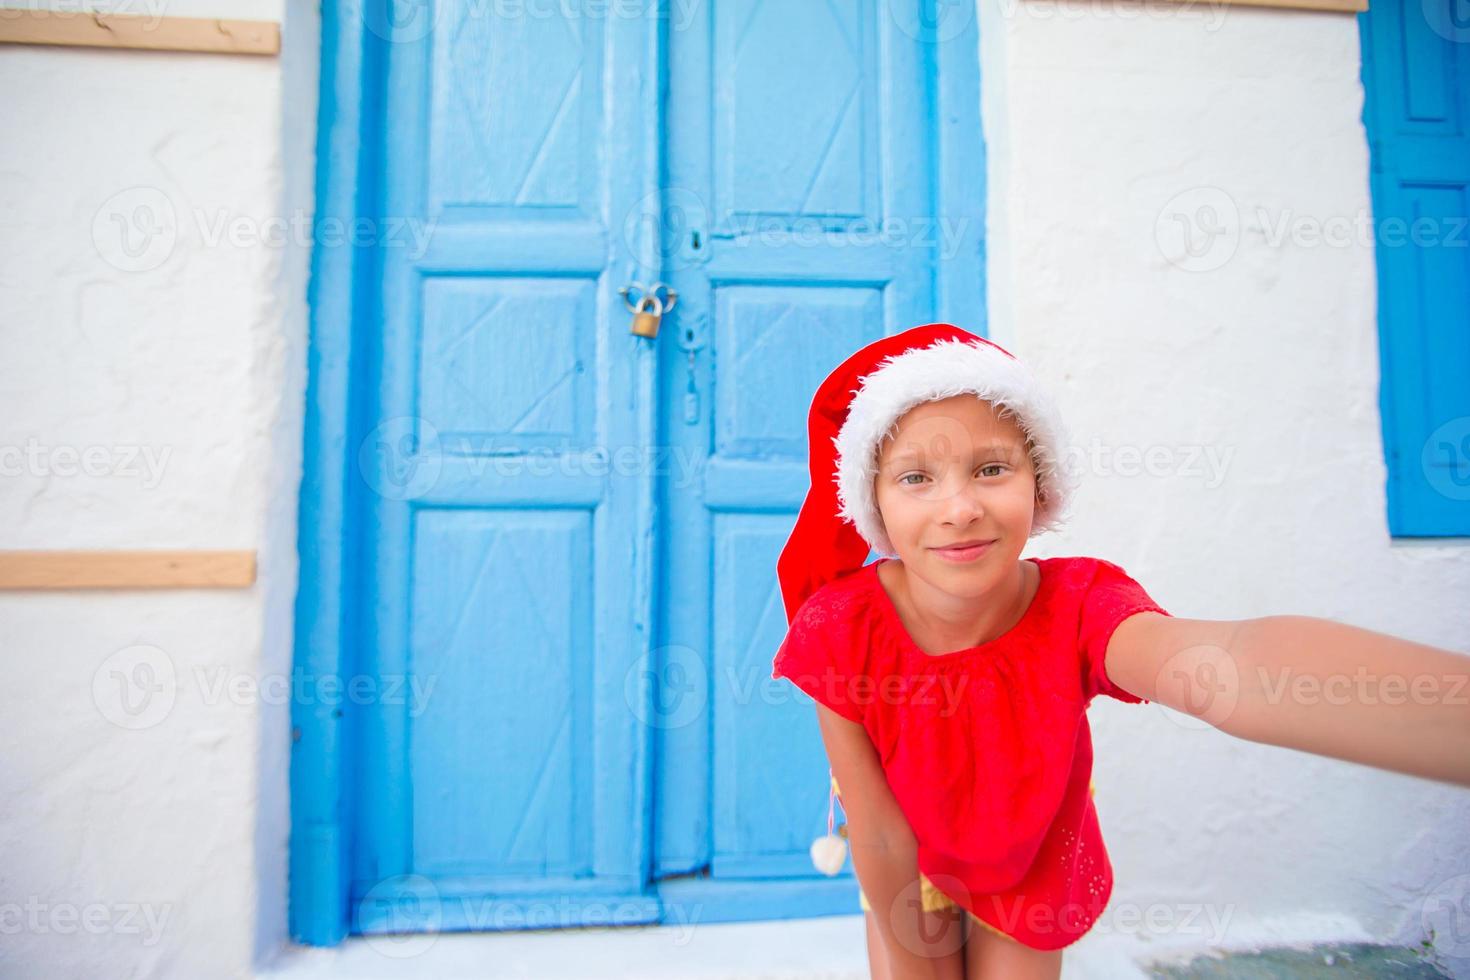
<point x="931" y="899"/>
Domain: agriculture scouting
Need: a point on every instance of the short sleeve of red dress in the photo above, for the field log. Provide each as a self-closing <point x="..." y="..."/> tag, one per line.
<point x="1111" y="597"/>
<point x="819" y="656"/>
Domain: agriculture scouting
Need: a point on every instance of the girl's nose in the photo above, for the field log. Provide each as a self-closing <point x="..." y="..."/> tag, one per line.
<point x="961" y="504"/>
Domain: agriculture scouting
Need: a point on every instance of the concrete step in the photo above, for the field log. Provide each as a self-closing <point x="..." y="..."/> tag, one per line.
<point x="1328" y="961"/>
<point x="834" y="948"/>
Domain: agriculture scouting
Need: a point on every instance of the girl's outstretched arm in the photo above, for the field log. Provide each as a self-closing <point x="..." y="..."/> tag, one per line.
<point x="1306" y="683"/>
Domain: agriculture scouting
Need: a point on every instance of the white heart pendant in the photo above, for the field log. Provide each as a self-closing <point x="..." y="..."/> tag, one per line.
<point x="829" y="853"/>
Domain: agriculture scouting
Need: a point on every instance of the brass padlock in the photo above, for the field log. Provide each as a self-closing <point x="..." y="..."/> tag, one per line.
<point x="646" y="316"/>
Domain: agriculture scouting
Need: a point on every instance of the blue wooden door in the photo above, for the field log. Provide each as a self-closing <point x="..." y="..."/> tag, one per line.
<point x="799" y="223"/>
<point x="1416" y="60"/>
<point x="510" y="553"/>
<point x="570" y="532"/>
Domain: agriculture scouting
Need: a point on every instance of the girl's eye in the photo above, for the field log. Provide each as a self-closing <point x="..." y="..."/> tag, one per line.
<point x="903" y="479"/>
<point x="992" y="466"/>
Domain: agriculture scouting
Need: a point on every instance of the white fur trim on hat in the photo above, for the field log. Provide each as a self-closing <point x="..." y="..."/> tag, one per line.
<point x="942" y="370"/>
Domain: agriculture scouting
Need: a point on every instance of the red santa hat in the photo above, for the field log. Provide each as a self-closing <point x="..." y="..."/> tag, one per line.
<point x="859" y="404"/>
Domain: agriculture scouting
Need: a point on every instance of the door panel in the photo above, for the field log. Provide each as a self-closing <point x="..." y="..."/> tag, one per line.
<point x="498" y="792"/>
<point x="785" y="156"/>
<point x="511" y="566"/>
<point x="797" y="226"/>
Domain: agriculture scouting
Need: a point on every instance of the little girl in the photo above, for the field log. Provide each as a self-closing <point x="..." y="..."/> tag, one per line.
<point x="952" y="677"/>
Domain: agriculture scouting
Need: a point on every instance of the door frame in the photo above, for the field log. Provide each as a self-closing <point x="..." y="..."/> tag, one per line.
<point x="319" y="861"/>
<point x="349" y="134"/>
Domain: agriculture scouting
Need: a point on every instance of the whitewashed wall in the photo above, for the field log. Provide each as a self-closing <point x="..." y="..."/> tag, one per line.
<point x="179" y="366"/>
<point x="148" y="838"/>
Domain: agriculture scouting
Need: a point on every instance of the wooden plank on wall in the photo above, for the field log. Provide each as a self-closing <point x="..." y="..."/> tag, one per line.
<point x="1330" y="6"/>
<point x="139" y="31"/>
<point x="126" y="569"/>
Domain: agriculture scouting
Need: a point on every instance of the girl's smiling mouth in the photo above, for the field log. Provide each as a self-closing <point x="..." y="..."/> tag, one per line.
<point x="964" y="551"/>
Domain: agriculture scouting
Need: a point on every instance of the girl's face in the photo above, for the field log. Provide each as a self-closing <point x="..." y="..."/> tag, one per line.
<point x="955" y="472"/>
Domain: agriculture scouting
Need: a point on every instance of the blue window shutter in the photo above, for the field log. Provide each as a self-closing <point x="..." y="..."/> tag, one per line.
<point x="1416" y="75"/>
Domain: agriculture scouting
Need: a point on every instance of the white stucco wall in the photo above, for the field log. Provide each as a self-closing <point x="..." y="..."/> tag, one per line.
<point x="190" y="352"/>
<point x="147" y="838"/>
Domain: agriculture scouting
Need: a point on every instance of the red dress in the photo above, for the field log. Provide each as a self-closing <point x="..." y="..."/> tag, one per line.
<point x="987" y="750"/>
